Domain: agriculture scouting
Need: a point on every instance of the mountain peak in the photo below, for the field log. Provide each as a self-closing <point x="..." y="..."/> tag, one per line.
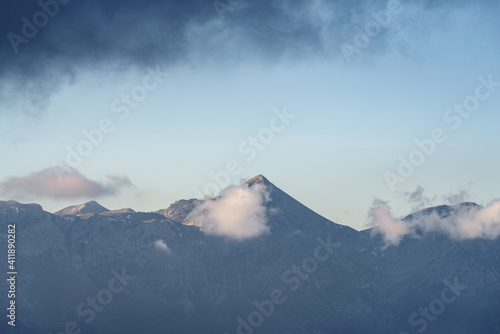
<point x="467" y="205"/>
<point x="123" y="210"/>
<point x="444" y="211"/>
<point x="80" y="209"/>
<point x="259" y="179"/>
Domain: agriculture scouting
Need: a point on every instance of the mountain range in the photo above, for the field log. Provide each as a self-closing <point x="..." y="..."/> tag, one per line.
<point x="86" y="269"/>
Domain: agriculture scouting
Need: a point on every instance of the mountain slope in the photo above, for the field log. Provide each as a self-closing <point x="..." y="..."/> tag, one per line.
<point x="320" y="276"/>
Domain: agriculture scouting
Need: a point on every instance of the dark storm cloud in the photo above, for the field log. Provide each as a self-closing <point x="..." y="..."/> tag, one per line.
<point x="119" y="35"/>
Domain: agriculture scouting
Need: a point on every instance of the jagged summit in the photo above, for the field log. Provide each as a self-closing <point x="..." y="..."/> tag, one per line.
<point x="80" y="209"/>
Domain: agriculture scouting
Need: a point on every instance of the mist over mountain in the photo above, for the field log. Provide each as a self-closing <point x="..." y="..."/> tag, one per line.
<point x="252" y="260"/>
<point x="463" y="221"/>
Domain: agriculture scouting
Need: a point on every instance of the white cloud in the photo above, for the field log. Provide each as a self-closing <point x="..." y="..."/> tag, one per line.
<point x="392" y="229"/>
<point x="477" y="223"/>
<point x="238" y="213"/>
<point x="464" y="222"/>
<point x="162" y="245"/>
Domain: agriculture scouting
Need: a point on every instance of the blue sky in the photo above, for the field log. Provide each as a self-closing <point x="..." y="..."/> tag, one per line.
<point x="353" y="119"/>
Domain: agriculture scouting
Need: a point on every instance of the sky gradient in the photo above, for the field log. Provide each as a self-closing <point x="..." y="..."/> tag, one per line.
<point x="321" y="97"/>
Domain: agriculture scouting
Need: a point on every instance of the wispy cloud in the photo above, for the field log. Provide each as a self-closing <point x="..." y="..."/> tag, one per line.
<point x="238" y="213"/>
<point x="418" y="198"/>
<point x="460" y="196"/>
<point x="69" y="185"/>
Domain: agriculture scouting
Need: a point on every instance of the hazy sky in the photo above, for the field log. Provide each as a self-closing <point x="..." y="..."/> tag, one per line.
<point x="321" y="97"/>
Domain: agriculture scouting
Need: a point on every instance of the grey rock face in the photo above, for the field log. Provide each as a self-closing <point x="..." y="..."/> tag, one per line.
<point x="179" y="210"/>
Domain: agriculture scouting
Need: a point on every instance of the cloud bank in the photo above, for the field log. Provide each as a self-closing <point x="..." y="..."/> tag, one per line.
<point x="68" y="185"/>
<point x="460" y="222"/>
<point x="238" y="213"/>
